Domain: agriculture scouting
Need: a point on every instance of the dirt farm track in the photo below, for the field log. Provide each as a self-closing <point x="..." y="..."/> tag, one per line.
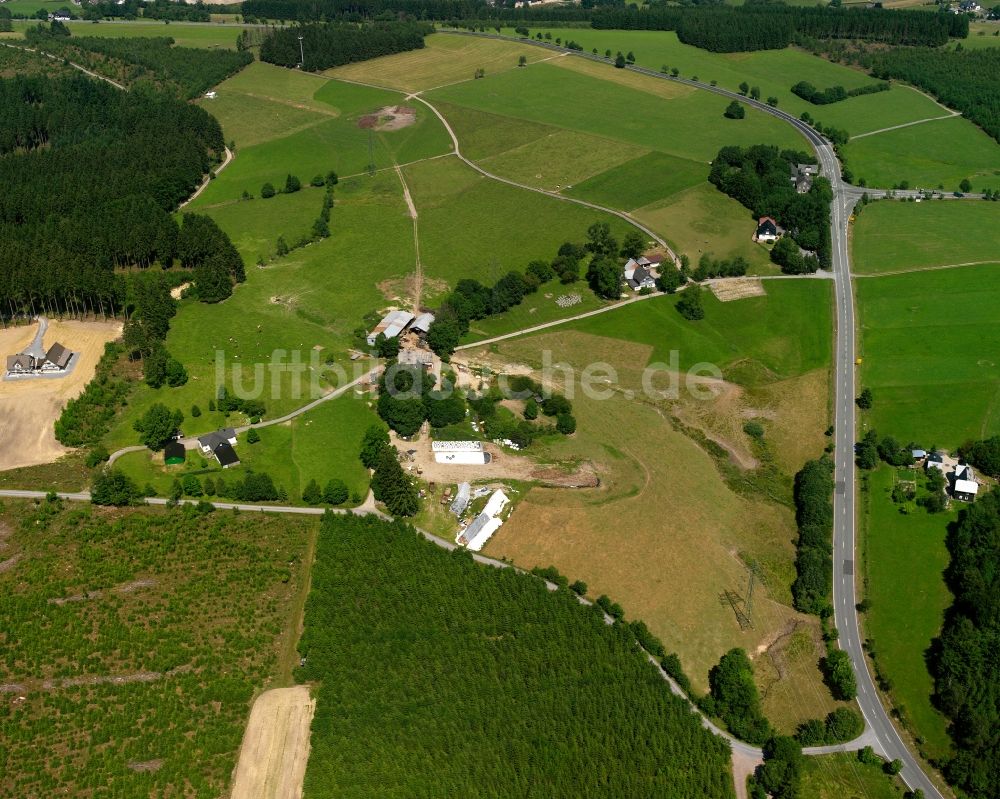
<point x="29" y="408"/>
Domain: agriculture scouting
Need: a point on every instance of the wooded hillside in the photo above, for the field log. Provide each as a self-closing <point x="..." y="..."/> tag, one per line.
<point x="91" y="175"/>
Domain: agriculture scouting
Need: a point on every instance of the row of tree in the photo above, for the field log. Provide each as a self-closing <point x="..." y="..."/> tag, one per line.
<point x="834" y="94"/>
<point x="389" y="483"/>
<point x="472" y="300"/>
<point x="813" y="493"/>
<point x="964" y="662"/>
<point x="774" y="26"/>
<point x="758" y="176"/>
<point x="441" y="10"/>
<point x="332" y="44"/>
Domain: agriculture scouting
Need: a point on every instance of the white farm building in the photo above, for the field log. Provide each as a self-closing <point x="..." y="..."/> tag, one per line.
<point x="476" y="535"/>
<point x="460" y="453"/>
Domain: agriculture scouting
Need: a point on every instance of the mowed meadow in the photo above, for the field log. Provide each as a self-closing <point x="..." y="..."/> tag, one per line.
<point x="937" y="150"/>
<point x="687" y="500"/>
<point x="928" y="288"/>
<point x="308" y="304"/>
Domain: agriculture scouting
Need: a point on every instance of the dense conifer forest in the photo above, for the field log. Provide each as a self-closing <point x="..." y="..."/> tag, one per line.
<point x="966" y="667"/>
<point x="332" y="45"/>
<point x="967" y="80"/>
<point x="90" y="176"/>
<point x="441" y="677"/>
<point x="727" y="29"/>
<point x="360" y="10"/>
<point x="186" y="71"/>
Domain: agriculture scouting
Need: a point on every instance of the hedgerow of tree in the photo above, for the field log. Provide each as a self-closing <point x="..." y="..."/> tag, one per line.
<point x="484" y="664"/>
<point x="964" y="662"/>
<point x="812" y="588"/>
<point x="206" y="622"/>
<point x="331" y="45"/>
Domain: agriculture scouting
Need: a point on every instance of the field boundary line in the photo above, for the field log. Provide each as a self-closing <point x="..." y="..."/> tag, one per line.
<point x="926" y="269"/>
<point x="620" y="214"/>
<point x="905" y="125"/>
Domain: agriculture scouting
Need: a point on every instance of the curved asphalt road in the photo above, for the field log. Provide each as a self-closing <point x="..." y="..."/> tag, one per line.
<point x="880" y="732"/>
<point x="879" y="726"/>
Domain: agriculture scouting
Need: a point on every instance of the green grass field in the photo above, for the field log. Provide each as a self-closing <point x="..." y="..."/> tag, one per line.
<point x="689" y="126"/>
<point x="319" y="445"/>
<point x="773" y="71"/>
<point x="202" y="35"/>
<point x="445" y="59"/>
<point x="929" y="341"/>
<point x="896" y="236"/>
<point x="703" y="219"/>
<point x="138" y="639"/>
<point x="321" y="131"/>
<point x="981" y="34"/>
<point x="543" y="162"/>
<point x="929" y="155"/>
<point x="471" y="226"/>
<point x="311" y="298"/>
<point x="842" y="776"/>
<point x="641" y="181"/>
<point x="905" y="557"/>
<point x="784" y="334"/>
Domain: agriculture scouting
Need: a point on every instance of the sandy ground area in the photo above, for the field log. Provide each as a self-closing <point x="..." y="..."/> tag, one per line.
<point x="275" y="747"/>
<point x="29" y="408"/>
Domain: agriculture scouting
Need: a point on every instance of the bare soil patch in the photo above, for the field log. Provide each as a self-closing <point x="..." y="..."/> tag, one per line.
<point x="275" y="747"/>
<point x="391" y="117"/>
<point x="401" y="291"/>
<point x="29" y="408"/>
<point x="177" y="291"/>
<point x="503" y="465"/>
<point x="738" y="288"/>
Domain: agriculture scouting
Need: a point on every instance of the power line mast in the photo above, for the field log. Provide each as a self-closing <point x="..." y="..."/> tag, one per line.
<point x="371" y="152"/>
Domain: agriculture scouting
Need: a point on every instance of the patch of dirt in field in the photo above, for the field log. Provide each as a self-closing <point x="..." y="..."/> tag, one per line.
<point x="739" y="288"/>
<point x="275" y="747"/>
<point x="176" y="291"/>
<point x="503" y="465"/>
<point x="391" y="117"/>
<point x="29" y="408"/>
<point x="146" y="766"/>
<point x="401" y="291"/>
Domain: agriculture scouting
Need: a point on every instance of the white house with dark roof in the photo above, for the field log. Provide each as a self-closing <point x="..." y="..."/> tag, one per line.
<point x="767" y="229"/>
<point x="964" y="486"/>
<point x="638" y="276"/>
<point x="220" y="443"/>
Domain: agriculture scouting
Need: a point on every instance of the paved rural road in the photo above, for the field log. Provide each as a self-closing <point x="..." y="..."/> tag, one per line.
<point x="880" y="732"/>
<point x="879" y="726"/>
